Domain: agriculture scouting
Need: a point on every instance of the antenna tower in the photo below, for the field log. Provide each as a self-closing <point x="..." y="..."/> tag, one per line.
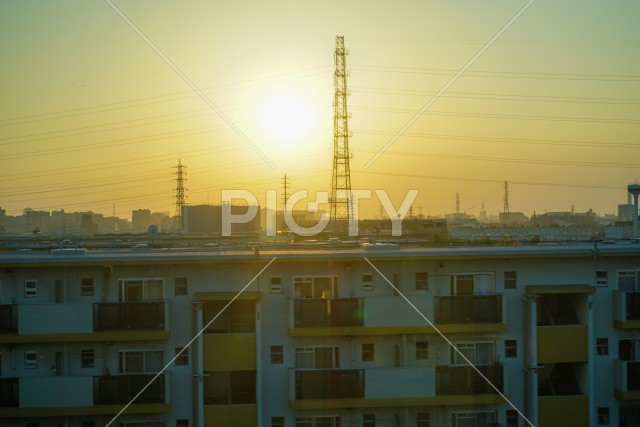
<point x="180" y="197"/>
<point x="339" y="200"/>
<point x="286" y="182"/>
<point x="457" y="203"/>
<point x="505" y="213"/>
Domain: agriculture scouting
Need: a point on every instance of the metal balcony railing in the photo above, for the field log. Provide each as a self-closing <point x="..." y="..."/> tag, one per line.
<point x="119" y="389"/>
<point x="459" y="380"/>
<point x="329" y="383"/>
<point x="112" y="316"/>
<point x="318" y="312"/>
<point x="468" y="309"/>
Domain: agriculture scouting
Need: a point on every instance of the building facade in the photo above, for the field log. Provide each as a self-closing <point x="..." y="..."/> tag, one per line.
<point x="378" y="335"/>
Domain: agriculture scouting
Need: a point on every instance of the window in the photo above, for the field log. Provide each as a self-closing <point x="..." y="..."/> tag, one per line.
<point x="181" y="286"/>
<point x="422" y="419"/>
<point x="475" y="419"/>
<point x="479" y="353"/>
<point x="239" y="317"/>
<point x="368" y="420"/>
<point x="422" y="350"/>
<point x="422" y="281"/>
<point x="30" y="359"/>
<point x="367" y="282"/>
<point x="512" y="418"/>
<point x="183" y="359"/>
<point x="30" y="288"/>
<point x="603" y="416"/>
<point x="138" y="362"/>
<point x="628" y="280"/>
<point x="368" y="352"/>
<point x="87" y="358"/>
<point x="140" y="290"/>
<point x="182" y="423"/>
<point x="629" y="349"/>
<point x="277" y="354"/>
<point x="277" y="421"/>
<point x="315" y="287"/>
<point x="510" y="280"/>
<point x="602" y="346"/>
<point x="86" y="287"/>
<point x="601" y="278"/>
<point x="510" y="348"/>
<point x="332" y="421"/>
<point x="276" y="285"/>
<point x="230" y="388"/>
<point x="472" y="284"/>
<point x="317" y="358"/>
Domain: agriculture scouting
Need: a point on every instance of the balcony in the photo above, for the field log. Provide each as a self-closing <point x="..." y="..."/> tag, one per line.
<point x="468" y="309"/>
<point x="563" y="344"/>
<point x="562" y="411"/>
<point x="329" y="384"/>
<point x="462" y="380"/>
<point x="118" y="316"/>
<point x="318" y="312"/>
<point x="627" y="379"/>
<point x="8" y="392"/>
<point x="8" y="319"/>
<point x="626" y="310"/>
<point x="120" y="389"/>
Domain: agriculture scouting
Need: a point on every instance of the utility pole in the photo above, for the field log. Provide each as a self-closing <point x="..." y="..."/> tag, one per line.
<point x="505" y="212"/>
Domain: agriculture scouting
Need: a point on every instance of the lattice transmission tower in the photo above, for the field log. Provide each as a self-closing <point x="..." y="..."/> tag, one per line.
<point x="180" y="196"/>
<point x="340" y="198"/>
<point x="505" y="212"/>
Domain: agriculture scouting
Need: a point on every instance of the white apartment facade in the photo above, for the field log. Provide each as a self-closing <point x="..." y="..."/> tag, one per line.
<point x="320" y="338"/>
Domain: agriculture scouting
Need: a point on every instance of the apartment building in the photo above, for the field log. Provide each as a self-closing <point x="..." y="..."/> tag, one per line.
<point x="320" y="338"/>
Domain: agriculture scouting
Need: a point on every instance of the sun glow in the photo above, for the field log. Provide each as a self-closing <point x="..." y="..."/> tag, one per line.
<point x="286" y="119"/>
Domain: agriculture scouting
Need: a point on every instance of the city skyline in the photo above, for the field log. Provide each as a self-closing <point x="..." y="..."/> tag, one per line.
<point x="92" y="116"/>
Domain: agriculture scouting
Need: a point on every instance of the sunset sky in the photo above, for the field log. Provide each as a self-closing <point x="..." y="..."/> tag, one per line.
<point x="92" y="116"/>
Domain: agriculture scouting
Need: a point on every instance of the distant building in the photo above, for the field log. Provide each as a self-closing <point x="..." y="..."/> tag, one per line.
<point x="625" y="213"/>
<point x="207" y="219"/>
<point x="141" y="220"/>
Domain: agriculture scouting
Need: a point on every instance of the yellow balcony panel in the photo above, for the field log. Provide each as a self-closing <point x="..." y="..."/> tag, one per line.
<point x="626" y="324"/>
<point x="486" y="399"/>
<point x="562" y="411"/>
<point x="230" y="416"/>
<point x="230" y="352"/>
<point x="560" y="344"/>
<point x="465" y="328"/>
<point x="146" y="408"/>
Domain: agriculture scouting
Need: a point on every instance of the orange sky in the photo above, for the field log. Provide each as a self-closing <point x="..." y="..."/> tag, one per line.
<point x="91" y="115"/>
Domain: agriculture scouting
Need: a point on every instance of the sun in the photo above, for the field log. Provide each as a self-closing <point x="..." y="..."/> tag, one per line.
<point x="286" y="119"/>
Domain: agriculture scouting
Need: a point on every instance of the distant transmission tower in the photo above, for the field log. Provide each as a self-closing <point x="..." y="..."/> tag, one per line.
<point x="505" y="213"/>
<point x="180" y="197"/>
<point x="457" y="203"/>
<point x="286" y="183"/>
<point x="340" y="197"/>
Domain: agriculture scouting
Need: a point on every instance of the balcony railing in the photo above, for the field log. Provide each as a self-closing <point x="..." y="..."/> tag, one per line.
<point x="112" y="316"/>
<point x="458" y="380"/>
<point x="329" y="384"/>
<point x="468" y="309"/>
<point x="8" y="392"/>
<point x="118" y="389"/>
<point x="8" y="319"/>
<point x="317" y="312"/>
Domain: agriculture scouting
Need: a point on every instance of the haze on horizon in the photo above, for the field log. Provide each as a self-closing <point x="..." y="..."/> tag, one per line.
<point x="91" y="116"/>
